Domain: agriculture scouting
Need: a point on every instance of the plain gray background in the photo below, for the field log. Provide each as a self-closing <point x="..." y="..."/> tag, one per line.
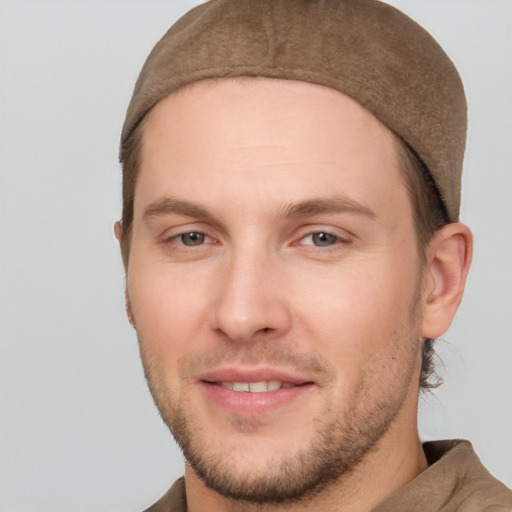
<point x="78" y="429"/>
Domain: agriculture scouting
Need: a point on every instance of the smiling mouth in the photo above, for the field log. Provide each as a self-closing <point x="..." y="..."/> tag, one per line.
<point x="257" y="387"/>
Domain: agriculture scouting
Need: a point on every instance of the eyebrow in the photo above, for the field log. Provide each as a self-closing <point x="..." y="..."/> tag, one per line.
<point x="305" y="208"/>
<point x="170" y="205"/>
<point x="330" y="205"/>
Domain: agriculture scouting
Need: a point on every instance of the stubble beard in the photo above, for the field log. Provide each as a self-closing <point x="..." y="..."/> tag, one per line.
<point x="335" y="450"/>
<point x="337" y="447"/>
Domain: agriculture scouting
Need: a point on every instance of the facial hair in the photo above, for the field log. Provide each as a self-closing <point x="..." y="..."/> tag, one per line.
<point x="340" y="441"/>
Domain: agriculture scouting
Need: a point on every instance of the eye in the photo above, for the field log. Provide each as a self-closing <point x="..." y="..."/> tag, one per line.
<point x="321" y="239"/>
<point x="192" y="239"/>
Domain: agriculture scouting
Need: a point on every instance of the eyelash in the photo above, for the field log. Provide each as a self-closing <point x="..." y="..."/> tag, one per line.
<point x="179" y="238"/>
<point x="336" y="240"/>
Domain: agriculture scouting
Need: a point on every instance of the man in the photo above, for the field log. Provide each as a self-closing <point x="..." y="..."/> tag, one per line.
<point x="291" y="191"/>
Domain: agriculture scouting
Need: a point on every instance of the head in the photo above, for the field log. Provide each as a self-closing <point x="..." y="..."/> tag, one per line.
<point x="287" y="235"/>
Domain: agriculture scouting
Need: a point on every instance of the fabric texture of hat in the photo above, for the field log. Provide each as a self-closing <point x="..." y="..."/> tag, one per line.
<point x="363" y="48"/>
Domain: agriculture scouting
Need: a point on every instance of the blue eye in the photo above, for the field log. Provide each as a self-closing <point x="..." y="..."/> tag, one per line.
<point x="321" y="239"/>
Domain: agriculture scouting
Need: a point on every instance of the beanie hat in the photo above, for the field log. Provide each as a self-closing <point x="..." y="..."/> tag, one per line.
<point x="364" y="48"/>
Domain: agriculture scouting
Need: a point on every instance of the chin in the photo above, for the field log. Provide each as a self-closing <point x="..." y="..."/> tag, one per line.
<point x="287" y="469"/>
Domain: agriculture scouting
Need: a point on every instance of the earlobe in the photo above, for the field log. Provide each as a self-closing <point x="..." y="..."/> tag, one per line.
<point x="448" y="260"/>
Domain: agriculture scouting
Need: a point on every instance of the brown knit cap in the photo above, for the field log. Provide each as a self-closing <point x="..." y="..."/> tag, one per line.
<point x="363" y="48"/>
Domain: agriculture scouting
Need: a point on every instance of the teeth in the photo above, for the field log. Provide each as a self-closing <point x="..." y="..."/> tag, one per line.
<point x="257" y="387"/>
<point x="273" y="385"/>
<point x="240" y="386"/>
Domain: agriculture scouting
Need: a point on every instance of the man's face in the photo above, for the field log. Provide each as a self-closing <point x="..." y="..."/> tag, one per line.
<point x="274" y="283"/>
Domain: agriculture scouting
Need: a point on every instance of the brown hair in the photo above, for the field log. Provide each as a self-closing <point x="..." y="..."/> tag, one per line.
<point x="429" y="215"/>
<point x="129" y="157"/>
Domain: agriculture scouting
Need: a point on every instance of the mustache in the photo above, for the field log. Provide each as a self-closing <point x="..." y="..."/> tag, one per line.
<point x="267" y="354"/>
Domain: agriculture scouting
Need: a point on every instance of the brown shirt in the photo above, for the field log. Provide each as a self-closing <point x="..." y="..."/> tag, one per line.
<point x="455" y="481"/>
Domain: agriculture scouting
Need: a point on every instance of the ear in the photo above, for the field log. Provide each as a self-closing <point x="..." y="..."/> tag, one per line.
<point x="448" y="260"/>
<point x="118" y="231"/>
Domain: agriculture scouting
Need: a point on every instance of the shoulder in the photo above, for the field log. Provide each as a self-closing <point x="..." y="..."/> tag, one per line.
<point x="455" y="481"/>
<point x="173" y="500"/>
<point x="474" y="488"/>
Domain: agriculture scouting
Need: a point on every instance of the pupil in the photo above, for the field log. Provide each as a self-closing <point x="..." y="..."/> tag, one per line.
<point x="192" y="239"/>
<point x="323" y="239"/>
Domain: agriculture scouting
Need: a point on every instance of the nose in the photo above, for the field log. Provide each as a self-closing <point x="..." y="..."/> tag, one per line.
<point x="251" y="299"/>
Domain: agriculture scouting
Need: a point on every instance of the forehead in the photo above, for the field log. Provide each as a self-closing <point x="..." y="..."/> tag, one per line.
<point x="221" y="139"/>
<point x="264" y="104"/>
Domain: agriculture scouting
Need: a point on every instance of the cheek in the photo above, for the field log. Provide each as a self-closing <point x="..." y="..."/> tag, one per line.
<point x="358" y="315"/>
<point x="168" y="308"/>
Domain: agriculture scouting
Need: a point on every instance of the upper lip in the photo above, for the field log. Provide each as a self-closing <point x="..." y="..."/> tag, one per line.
<point x="237" y="374"/>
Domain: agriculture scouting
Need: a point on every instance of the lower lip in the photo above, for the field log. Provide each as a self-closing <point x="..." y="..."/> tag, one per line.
<point x="247" y="404"/>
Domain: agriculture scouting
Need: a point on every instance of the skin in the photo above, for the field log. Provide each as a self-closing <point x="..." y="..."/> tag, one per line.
<point x="303" y="266"/>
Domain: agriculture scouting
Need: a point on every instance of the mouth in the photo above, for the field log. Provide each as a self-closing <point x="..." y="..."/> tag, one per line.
<point x="262" y="386"/>
<point x="253" y="394"/>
